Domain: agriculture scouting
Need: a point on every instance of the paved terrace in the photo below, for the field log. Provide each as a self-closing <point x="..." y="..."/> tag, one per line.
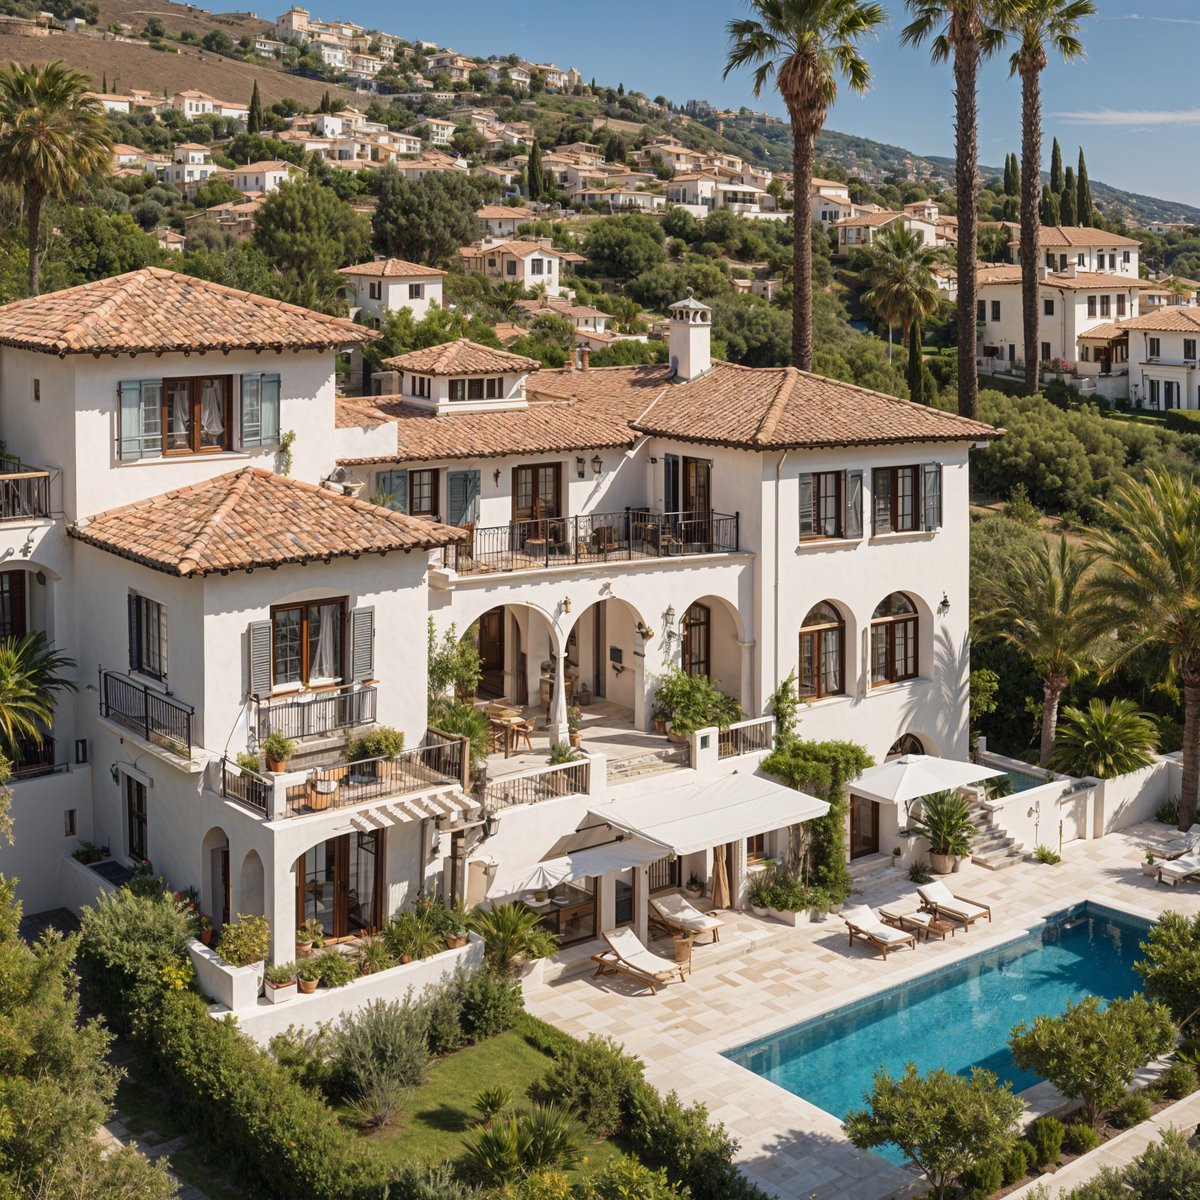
<point x="764" y="976"/>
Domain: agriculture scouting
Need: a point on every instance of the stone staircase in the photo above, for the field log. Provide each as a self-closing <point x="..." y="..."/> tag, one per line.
<point x="647" y="762"/>
<point x="991" y="846"/>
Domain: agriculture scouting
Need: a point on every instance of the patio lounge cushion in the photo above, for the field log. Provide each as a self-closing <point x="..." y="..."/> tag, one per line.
<point x="1183" y="867"/>
<point x="630" y="949"/>
<point x="676" y="910"/>
<point x="940" y="895"/>
<point x="862" y="917"/>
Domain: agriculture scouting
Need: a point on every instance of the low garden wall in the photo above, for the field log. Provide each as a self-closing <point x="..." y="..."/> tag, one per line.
<point x="1130" y="799"/>
<point x="262" y="1020"/>
<point x="81" y="886"/>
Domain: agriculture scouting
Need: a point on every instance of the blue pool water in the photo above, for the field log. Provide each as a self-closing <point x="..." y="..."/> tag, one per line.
<point x="1022" y="781"/>
<point x="957" y="1017"/>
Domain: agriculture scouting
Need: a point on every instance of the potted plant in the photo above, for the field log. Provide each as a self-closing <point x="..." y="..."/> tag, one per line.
<point x="694" y="885"/>
<point x="896" y="855"/>
<point x="819" y="904"/>
<point x="382" y="742"/>
<point x="308" y="935"/>
<point x="281" y="982"/>
<point x="1150" y="868"/>
<point x="945" y="823"/>
<point x="278" y="750"/>
<point x="246" y="942"/>
<point x="204" y="928"/>
<point x="309" y="975"/>
<point x="457" y="938"/>
<point x="661" y="715"/>
<point x="376" y="957"/>
<point x="574" y="725"/>
<point x="248" y="764"/>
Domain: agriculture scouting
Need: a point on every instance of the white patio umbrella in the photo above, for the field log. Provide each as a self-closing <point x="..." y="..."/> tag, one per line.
<point x="915" y="775"/>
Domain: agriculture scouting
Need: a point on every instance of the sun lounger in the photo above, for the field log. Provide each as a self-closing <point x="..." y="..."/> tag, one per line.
<point x="676" y="914"/>
<point x="1177" y="845"/>
<point x="628" y="955"/>
<point x="918" y="922"/>
<point x="863" y="923"/>
<point x="1178" y="870"/>
<point x="937" y="898"/>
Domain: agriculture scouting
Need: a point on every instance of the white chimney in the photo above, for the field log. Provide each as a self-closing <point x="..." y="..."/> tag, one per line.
<point x="691" y="339"/>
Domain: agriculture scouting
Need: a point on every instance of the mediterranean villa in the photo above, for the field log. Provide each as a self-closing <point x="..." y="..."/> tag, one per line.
<point x="228" y="549"/>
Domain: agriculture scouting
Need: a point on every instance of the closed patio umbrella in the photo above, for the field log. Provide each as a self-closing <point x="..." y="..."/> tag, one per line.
<point x="720" y="879"/>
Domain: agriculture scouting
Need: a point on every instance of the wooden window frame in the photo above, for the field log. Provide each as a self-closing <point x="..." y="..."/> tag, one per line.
<point x="429" y="479"/>
<point x="814" y="634"/>
<point x="756" y="849"/>
<point x="14" y="587"/>
<point x="136" y="817"/>
<point x="194" y="431"/>
<point x="138" y="659"/>
<point x="305" y="666"/>
<point x="688" y="645"/>
<point x="888" y="624"/>
<point x="893" y="477"/>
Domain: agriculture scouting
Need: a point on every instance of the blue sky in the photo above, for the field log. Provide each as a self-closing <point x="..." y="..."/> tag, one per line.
<point x="1129" y="103"/>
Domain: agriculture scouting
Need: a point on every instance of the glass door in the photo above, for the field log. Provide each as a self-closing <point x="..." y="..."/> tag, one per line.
<point x="864" y="827"/>
<point x="340" y="883"/>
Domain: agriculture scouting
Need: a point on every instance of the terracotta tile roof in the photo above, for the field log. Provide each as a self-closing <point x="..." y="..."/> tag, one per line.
<point x="1080" y="281"/>
<point x="462" y="357"/>
<point x="567" y="410"/>
<point x="158" y="311"/>
<point x="519" y="249"/>
<point x="1107" y="332"/>
<point x="561" y="308"/>
<point x="782" y="408"/>
<point x="873" y="219"/>
<point x="505" y="212"/>
<point x="1171" y="319"/>
<point x="390" y="268"/>
<point x="253" y="518"/>
<point x="1081" y="236"/>
<point x="267" y="164"/>
<point x="751" y="408"/>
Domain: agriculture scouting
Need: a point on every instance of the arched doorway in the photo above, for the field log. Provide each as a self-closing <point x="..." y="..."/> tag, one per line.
<point x="605" y="655"/>
<point x="215" y="882"/>
<point x="710" y="644"/>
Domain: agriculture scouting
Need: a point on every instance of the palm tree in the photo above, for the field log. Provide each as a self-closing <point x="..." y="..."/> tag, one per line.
<point x="30" y="681"/>
<point x="1039" y="24"/>
<point x="1149" y="582"/>
<point x="902" y="288"/>
<point x="1104" y="740"/>
<point x="804" y="46"/>
<point x="52" y="138"/>
<point x="1047" y="607"/>
<point x="966" y="31"/>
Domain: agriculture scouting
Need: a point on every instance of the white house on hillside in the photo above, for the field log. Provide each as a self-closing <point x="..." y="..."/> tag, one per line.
<point x="530" y="262"/>
<point x="387" y="285"/>
<point x="1094" y="250"/>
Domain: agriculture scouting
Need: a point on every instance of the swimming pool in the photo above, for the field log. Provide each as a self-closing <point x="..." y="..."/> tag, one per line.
<point x="957" y="1017"/>
<point x="1022" y="781"/>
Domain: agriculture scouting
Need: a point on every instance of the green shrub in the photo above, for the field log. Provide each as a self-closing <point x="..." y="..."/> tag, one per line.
<point x="594" y="1078"/>
<point x="1080" y="1137"/>
<point x="543" y="1036"/>
<point x="334" y="969"/>
<point x="692" y="702"/>
<point x="246" y="941"/>
<point x="126" y="943"/>
<point x="304" y="1054"/>
<point x="1168" y="812"/>
<point x="512" y="936"/>
<point x="379" y="1100"/>
<point x="384" y="1039"/>
<point x="1179" y="1080"/>
<point x="489" y="1103"/>
<point x="919" y="872"/>
<point x="1107" y="1185"/>
<point x="1046" y="856"/>
<point x="443" y="1007"/>
<point x="1133" y="1110"/>
<point x="543" y="1138"/>
<point x="625" y="1178"/>
<point x="1017" y="1162"/>
<point x="982" y="1179"/>
<point x="490" y="1004"/>
<point x="1045" y="1136"/>
<point x="1182" y="420"/>
<point x="1168" y="1170"/>
<point x="381" y="742"/>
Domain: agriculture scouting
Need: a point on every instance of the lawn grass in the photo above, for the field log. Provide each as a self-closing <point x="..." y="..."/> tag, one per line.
<point x="439" y="1115"/>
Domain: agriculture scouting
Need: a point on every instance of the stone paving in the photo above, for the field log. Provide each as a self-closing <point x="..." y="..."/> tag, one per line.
<point x="763" y="977"/>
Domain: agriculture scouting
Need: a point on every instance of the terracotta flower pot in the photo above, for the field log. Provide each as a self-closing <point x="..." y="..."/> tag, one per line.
<point x="308" y="986"/>
<point x="455" y="941"/>
<point x="206" y="937"/>
<point x="276" y="766"/>
<point x="941" y="864"/>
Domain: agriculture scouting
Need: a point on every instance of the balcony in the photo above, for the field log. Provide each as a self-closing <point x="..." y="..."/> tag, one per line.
<point x="35" y="759"/>
<point x="160" y="719"/>
<point x="24" y="492"/>
<point x="633" y="534"/>
<point x="316" y="714"/>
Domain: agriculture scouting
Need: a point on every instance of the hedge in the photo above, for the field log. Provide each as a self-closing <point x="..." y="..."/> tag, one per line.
<point x="1182" y="420"/>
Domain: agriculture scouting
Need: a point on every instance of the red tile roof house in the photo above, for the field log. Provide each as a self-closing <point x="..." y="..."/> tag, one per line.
<point x="218" y="579"/>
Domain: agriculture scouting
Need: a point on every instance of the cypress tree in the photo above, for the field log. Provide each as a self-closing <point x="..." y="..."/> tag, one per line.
<point x="1085" y="210"/>
<point x="254" y="117"/>
<point x="914" y="373"/>
<point x="103" y="82"/>
<point x="1056" y="169"/>
<point x="534" y="179"/>
<point x="1050" y="214"/>
<point x="1012" y="183"/>
<point x="1068" y="205"/>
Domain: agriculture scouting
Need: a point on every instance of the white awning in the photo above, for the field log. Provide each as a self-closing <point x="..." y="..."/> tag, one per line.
<point x="915" y="775"/>
<point x="579" y="864"/>
<point x="688" y="815"/>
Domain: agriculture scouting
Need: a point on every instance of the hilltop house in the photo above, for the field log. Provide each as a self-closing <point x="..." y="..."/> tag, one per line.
<point x="594" y="526"/>
<point x="1092" y="250"/>
<point x="529" y="262"/>
<point x="387" y="285"/>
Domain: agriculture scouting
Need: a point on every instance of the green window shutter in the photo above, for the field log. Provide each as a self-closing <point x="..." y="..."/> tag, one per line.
<point x="260" y="658"/>
<point x="808" y="515"/>
<point x="135" y="656"/>
<point x="931" y="496"/>
<point x="362" y="644"/>
<point x="854" y="504"/>
<point x="269" y="399"/>
<point x="140" y="418"/>
<point x="392" y="488"/>
<point x="462" y="497"/>
<point x="251" y="410"/>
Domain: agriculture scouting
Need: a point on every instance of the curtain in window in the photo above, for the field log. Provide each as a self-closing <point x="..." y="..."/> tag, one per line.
<point x="212" y="410"/>
<point x="324" y="659"/>
<point x="181" y="416"/>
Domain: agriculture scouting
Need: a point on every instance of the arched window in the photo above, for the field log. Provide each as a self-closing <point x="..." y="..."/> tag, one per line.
<point x="822" y="652"/>
<point x="907" y="743"/>
<point x="893" y="640"/>
<point x="697" y="635"/>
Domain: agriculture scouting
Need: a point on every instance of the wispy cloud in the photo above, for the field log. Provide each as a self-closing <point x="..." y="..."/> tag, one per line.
<point x="1160" y="20"/>
<point x="1133" y="116"/>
